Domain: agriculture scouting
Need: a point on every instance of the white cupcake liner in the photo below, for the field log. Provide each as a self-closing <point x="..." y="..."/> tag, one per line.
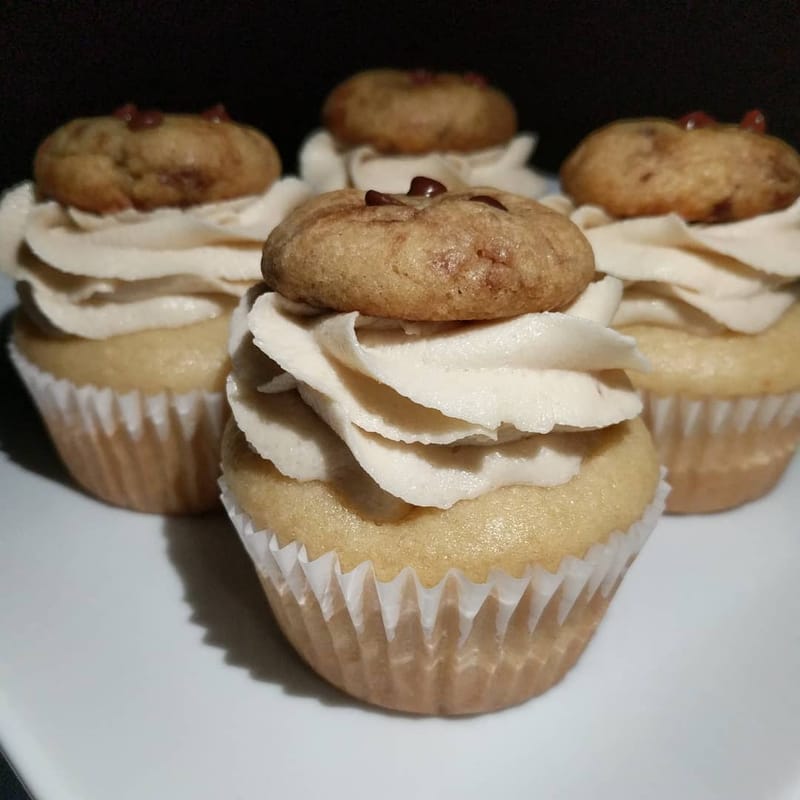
<point x="686" y="416"/>
<point x="314" y="593"/>
<point x="722" y="452"/>
<point x="157" y="453"/>
<point x="601" y="568"/>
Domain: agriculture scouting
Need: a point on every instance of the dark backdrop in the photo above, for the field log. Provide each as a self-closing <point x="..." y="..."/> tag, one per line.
<point x="569" y="66"/>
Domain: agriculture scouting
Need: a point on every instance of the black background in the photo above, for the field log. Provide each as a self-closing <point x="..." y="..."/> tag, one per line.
<point x="568" y="66"/>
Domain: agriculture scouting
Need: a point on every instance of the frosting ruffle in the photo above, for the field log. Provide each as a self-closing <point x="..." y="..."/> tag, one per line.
<point x="97" y="276"/>
<point x="433" y="413"/>
<point x="327" y="167"/>
<point x="734" y="276"/>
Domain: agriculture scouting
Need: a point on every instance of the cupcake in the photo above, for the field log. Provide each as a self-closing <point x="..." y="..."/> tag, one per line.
<point x="382" y="127"/>
<point x="702" y="222"/>
<point x="434" y="457"/>
<point x="130" y="251"/>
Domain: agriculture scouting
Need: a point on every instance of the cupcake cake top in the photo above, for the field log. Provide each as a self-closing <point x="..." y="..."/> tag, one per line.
<point x="696" y="168"/>
<point x="144" y="160"/>
<point x="141" y="221"/>
<point x="417" y="111"/>
<point x="701" y="220"/>
<point x="428" y="403"/>
<point x="428" y="254"/>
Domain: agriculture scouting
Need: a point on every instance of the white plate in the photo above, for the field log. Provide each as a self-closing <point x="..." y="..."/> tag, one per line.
<point x="138" y="660"/>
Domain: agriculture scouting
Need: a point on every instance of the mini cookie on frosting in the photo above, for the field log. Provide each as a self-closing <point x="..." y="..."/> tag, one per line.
<point x="146" y="160"/>
<point x="702" y="222"/>
<point x="695" y="168"/>
<point x="481" y="254"/>
<point x="384" y="126"/>
<point x="449" y="496"/>
<point x="418" y="112"/>
<point x="129" y="253"/>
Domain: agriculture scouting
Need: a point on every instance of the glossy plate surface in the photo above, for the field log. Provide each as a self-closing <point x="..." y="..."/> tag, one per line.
<point x="138" y="659"/>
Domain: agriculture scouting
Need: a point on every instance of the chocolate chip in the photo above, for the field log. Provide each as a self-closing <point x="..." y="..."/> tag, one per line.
<point x="425" y="187"/>
<point x="754" y="121"/>
<point x="145" y="119"/>
<point x="721" y="211"/>
<point x="476" y="79"/>
<point x="696" y="119"/>
<point x="490" y="201"/>
<point x="217" y="113"/>
<point x="188" y="181"/>
<point x="126" y="113"/>
<point x="373" y="198"/>
<point x="420" y="77"/>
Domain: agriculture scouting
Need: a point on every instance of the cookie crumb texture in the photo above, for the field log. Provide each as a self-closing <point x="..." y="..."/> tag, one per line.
<point x="100" y="164"/>
<point x="649" y="167"/>
<point x="440" y="258"/>
<point x="396" y="111"/>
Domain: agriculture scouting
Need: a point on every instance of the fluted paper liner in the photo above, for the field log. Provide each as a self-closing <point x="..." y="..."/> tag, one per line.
<point x="156" y="453"/>
<point x="459" y="647"/>
<point x="721" y="452"/>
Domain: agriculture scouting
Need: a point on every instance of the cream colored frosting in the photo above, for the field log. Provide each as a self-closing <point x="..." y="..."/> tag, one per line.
<point x="704" y="278"/>
<point x="433" y="413"/>
<point x="97" y="276"/>
<point x="326" y="167"/>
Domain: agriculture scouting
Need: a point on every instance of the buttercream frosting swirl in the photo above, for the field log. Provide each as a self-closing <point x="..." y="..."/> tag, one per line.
<point x="97" y="276"/>
<point x="705" y="278"/>
<point x="433" y="413"/>
<point x="326" y="166"/>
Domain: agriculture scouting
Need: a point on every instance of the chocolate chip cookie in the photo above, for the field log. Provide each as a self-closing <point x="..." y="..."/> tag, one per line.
<point x="694" y="167"/>
<point x="428" y="255"/>
<point x="418" y="111"/>
<point x="146" y="160"/>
